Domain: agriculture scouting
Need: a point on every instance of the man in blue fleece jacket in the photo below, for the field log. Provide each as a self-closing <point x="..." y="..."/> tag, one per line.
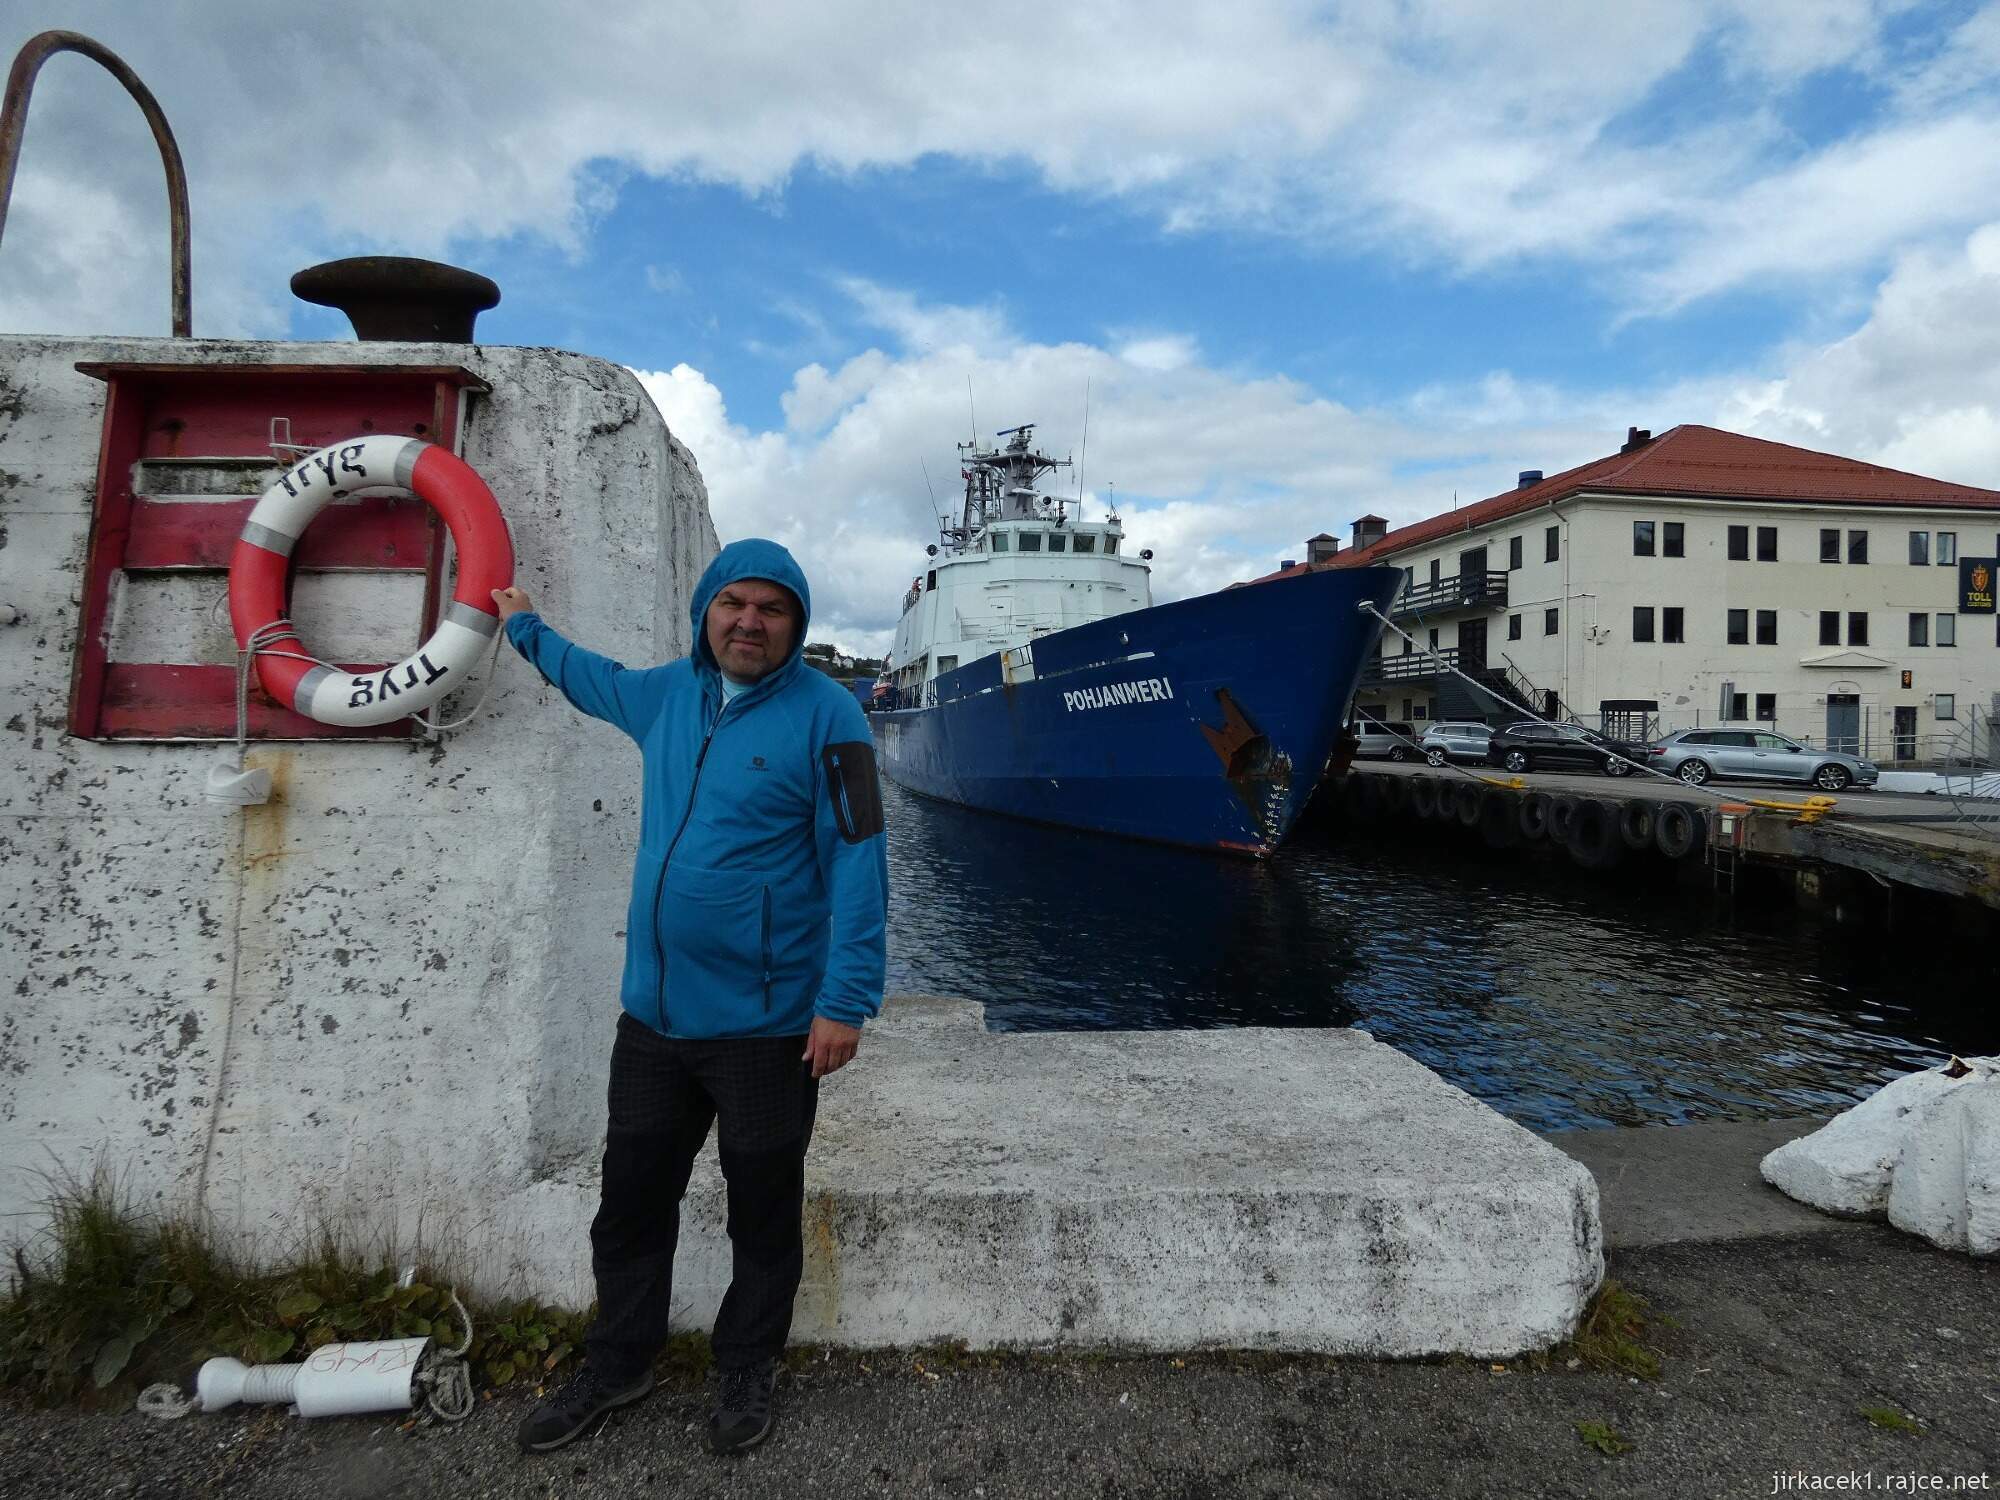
<point x="754" y="951"/>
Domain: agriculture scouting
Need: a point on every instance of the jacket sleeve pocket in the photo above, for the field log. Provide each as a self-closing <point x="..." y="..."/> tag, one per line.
<point x="856" y="792"/>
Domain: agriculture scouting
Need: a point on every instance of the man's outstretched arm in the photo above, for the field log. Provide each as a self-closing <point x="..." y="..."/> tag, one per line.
<point x="601" y="687"/>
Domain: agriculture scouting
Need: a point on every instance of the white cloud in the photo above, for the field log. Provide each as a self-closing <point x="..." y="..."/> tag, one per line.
<point x="1460" y="132"/>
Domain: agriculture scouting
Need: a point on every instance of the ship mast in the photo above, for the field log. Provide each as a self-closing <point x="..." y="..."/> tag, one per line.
<point x="1000" y="486"/>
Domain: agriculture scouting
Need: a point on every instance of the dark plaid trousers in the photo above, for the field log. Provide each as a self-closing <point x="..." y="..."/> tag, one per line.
<point x="664" y="1095"/>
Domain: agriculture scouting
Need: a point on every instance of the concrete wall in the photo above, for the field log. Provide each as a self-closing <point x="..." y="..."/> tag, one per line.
<point x="388" y="994"/>
<point x="1598" y="580"/>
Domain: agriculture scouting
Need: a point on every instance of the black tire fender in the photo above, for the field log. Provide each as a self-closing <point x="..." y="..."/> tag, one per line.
<point x="1467" y="798"/>
<point x="1562" y="813"/>
<point x="1394" y="792"/>
<point x="1534" y="815"/>
<point x="1499" y="820"/>
<point x="1423" y="796"/>
<point x="1679" y="830"/>
<point x="1593" y="839"/>
<point x="1635" y="824"/>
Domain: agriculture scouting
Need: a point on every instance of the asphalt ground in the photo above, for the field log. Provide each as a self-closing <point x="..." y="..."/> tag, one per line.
<point x="1777" y="1331"/>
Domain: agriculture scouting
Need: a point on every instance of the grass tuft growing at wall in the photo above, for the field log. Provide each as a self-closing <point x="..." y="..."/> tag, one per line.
<point x="111" y="1297"/>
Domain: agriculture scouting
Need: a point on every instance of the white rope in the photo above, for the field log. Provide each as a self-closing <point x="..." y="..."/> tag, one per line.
<point x="261" y="642"/>
<point x="167" y="1403"/>
<point x="446" y="1376"/>
<point x="1512" y="707"/>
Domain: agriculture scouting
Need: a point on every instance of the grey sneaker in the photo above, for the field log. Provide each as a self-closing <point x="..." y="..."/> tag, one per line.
<point x="572" y="1412"/>
<point x="745" y="1408"/>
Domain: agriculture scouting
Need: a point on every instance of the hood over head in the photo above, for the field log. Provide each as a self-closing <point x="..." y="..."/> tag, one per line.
<point x="753" y="557"/>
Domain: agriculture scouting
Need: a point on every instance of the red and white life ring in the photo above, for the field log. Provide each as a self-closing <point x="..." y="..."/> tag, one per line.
<point x="264" y="548"/>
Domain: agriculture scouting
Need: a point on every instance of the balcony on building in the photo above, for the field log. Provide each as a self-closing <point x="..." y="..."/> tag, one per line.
<point x="1412" y="666"/>
<point x="1480" y="589"/>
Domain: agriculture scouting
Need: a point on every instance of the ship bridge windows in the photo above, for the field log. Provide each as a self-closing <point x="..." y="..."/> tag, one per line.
<point x="1031" y="541"/>
<point x="1058" y="541"/>
<point x="1084" y="542"/>
<point x="1110" y="546"/>
<point x="999" y="539"/>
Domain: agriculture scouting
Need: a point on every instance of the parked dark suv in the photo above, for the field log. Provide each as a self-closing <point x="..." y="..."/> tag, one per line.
<point x="1535" y="746"/>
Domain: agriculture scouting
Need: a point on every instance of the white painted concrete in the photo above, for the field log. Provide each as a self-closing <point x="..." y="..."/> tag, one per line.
<point x="1924" y="1150"/>
<point x="378" y="997"/>
<point x="1276" y="1189"/>
<point x="1939" y="783"/>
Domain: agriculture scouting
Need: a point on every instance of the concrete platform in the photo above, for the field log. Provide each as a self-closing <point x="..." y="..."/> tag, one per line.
<point x="1268" y="1189"/>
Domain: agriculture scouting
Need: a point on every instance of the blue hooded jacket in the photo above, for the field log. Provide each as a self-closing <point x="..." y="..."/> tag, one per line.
<point x="760" y="892"/>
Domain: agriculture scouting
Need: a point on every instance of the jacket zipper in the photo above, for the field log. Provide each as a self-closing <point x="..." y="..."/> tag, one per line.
<point x="767" y="950"/>
<point x="660" y="885"/>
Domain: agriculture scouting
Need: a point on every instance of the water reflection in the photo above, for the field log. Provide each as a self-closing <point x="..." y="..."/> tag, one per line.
<point x="1564" y="1001"/>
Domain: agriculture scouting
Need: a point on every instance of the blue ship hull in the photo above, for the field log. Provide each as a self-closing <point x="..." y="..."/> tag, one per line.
<point x="1205" y="723"/>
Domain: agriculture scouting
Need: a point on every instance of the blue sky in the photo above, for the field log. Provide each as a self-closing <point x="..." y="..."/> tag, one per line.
<point x="1312" y="261"/>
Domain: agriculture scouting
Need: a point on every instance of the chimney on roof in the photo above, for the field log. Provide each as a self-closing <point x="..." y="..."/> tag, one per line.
<point x="1636" y="437"/>
<point x="1527" y="479"/>
<point x="1288" y="564"/>
<point x="1321" y="549"/>
<point x="1368" y="531"/>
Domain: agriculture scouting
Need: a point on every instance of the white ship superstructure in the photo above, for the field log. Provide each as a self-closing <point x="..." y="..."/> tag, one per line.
<point x="1017" y="565"/>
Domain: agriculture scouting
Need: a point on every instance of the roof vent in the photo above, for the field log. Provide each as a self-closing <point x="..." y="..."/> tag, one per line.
<point x="1527" y="479"/>
<point x="1288" y="564"/>
<point x="1636" y="437"/>
<point x="1369" y="530"/>
<point x="1321" y="548"/>
<point x="399" y="298"/>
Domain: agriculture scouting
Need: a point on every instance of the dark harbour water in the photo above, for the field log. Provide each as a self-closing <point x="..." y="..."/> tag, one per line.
<point x="1564" y="1000"/>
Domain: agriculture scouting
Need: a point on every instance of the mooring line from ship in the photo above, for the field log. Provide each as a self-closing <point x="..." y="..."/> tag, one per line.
<point x="1516" y="783"/>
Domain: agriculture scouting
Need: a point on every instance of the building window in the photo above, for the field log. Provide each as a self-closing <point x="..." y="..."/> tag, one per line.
<point x="1674" y="541"/>
<point x="1920" y="548"/>
<point x="1739" y="705"/>
<point x="1423" y="711"/>
<point x="1739" y="627"/>
<point x="1829" y="544"/>
<point x="1670" y="625"/>
<point x="1947" y="548"/>
<point x="1857" y="546"/>
<point x="1434" y="640"/>
<point x="1552" y="544"/>
<point x="1548" y="622"/>
<point x="1642" y="538"/>
<point x="1513" y="553"/>
<point x="1407" y="649"/>
<point x="1642" y="622"/>
<point x="1435" y="565"/>
<point x="1947" y="705"/>
<point x="1767" y="544"/>
<point x="1829" y="627"/>
<point x="1857" y="627"/>
<point x="1406" y="710"/>
<point x="1513" y="627"/>
<point x="1031" y="541"/>
<point x="1947" y="630"/>
<point x="1739" y="544"/>
<point x="1767" y="627"/>
<point x="1920" y="629"/>
<point x="1767" y="708"/>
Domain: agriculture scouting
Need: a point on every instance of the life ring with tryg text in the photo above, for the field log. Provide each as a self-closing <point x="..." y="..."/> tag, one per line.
<point x="263" y="553"/>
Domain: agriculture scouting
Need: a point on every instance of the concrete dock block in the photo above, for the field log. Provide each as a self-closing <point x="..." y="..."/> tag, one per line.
<point x="1923" y="1150"/>
<point x="1251" y="1189"/>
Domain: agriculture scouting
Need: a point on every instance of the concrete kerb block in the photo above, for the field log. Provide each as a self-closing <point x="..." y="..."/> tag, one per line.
<point x="1923" y="1151"/>
<point x="1250" y="1189"/>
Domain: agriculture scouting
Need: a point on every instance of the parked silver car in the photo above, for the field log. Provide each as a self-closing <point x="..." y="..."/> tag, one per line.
<point x="1699" y="755"/>
<point x="1385" y="739"/>
<point x="1456" y="741"/>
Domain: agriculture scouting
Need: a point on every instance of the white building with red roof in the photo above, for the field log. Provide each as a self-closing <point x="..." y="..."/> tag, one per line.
<point x="1697" y="578"/>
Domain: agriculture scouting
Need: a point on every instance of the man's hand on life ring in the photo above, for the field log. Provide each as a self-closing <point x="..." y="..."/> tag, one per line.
<point x="512" y="602"/>
<point x="831" y="1046"/>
